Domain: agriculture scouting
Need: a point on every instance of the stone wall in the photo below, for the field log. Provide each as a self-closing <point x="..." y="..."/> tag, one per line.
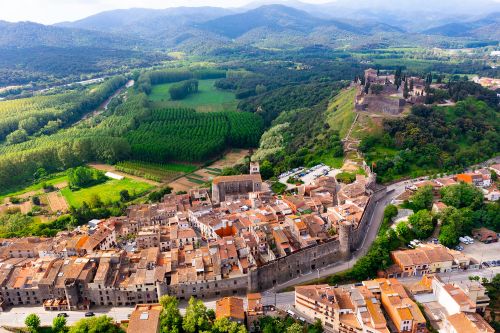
<point x="206" y="289"/>
<point x="303" y="261"/>
<point x="359" y="233"/>
<point x="381" y="103"/>
<point x="309" y="259"/>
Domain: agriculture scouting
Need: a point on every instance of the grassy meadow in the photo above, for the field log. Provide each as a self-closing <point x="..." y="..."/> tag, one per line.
<point x="207" y="99"/>
<point x="340" y="113"/>
<point x="108" y="191"/>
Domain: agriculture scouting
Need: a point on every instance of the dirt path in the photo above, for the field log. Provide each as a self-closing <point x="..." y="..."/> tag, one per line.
<point x="111" y="168"/>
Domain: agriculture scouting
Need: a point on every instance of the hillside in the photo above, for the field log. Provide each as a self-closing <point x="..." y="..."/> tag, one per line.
<point x="272" y="17"/>
<point x="29" y="35"/>
<point x="484" y="27"/>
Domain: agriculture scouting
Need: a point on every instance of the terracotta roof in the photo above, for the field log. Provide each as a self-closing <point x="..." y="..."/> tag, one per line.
<point x="237" y="178"/>
<point x="145" y="318"/>
<point x="469" y="323"/>
<point x="230" y="307"/>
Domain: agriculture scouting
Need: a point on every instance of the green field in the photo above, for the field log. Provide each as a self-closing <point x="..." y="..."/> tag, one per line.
<point x="108" y="191"/>
<point x="12" y="192"/>
<point x="207" y="99"/>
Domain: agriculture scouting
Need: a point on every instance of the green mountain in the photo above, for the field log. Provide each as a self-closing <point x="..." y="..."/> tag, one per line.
<point x="486" y="27"/>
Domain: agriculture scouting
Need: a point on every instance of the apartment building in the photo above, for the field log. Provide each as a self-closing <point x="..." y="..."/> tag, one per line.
<point x="466" y="323"/>
<point x="403" y="312"/>
<point x="341" y="309"/>
<point x="426" y="259"/>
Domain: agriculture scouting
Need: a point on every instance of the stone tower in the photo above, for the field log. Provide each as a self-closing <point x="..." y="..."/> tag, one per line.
<point x="345" y="239"/>
<point x="254" y="168"/>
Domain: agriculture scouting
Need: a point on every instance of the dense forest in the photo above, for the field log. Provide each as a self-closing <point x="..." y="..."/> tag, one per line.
<point x="185" y="135"/>
<point x="435" y="139"/>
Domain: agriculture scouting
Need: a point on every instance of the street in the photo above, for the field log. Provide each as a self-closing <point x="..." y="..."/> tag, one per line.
<point x="15" y="316"/>
<point x="285" y="300"/>
<point x="392" y="191"/>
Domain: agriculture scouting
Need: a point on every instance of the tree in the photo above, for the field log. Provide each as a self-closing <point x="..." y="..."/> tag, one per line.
<point x="404" y="232"/>
<point x="422" y="199"/>
<point x="455" y="222"/>
<point x="196" y="318"/>
<point x="295" y="328"/>
<point x="462" y="195"/>
<point x="59" y="324"/>
<point x="390" y="212"/>
<point x="17" y="136"/>
<point x="317" y="327"/>
<point x="35" y="200"/>
<point x="95" y="201"/>
<point x="266" y="170"/>
<point x="32" y="321"/>
<point x="171" y="319"/>
<point x="448" y="235"/>
<point x="224" y="325"/>
<point x="406" y="92"/>
<point x="103" y="324"/>
<point x="30" y="125"/>
<point x="260" y="89"/>
<point x="422" y="224"/>
<point x="124" y="195"/>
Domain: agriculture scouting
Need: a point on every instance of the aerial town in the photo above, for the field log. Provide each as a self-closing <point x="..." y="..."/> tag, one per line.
<point x="244" y="240"/>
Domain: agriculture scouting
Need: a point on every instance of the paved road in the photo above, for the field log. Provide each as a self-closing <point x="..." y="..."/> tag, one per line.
<point x="392" y="191"/>
<point x="282" y="300"/>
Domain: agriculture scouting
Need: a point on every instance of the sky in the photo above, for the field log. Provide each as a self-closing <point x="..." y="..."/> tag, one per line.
<point x="53" y="11"/>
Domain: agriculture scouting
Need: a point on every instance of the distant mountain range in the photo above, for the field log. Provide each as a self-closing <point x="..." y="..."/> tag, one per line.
<point x="343" y="23"/>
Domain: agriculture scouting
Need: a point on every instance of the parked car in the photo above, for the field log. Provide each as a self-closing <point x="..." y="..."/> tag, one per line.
<point x="62" y="314"/>
<point x="471" y="240"/>
<point x="459" y="248"/>
<point x="89" y="314"/>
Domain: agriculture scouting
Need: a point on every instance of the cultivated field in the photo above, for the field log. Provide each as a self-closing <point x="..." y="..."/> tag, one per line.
<point x="57" y="202"/>
<point x="206" y="174"/>
<point x="163" y="173"/>
<point x="111" y="168"/>
<point x="207" y="99"/>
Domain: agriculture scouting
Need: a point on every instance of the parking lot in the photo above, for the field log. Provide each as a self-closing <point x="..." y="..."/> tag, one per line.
<point x="482" y="252"/>
<point x="308" y="175"/>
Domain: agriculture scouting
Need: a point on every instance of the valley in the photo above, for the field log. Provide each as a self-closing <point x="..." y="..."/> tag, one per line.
<point x="156" y="156"/>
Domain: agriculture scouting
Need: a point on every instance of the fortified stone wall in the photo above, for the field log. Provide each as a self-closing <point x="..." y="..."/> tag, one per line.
<point x="206" y="289"/>
<point x="359" y="233"/>
<point x="381" y="103"/>
<point x="284" y="269"/>
<point x="312" y="258"/>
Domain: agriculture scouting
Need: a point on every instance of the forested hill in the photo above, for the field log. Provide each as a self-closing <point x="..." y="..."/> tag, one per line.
<point x="272" y="17"/>
<point x="146" y="22"/>
<point x="435" y="139"/>
<point x="30" y="35"/>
